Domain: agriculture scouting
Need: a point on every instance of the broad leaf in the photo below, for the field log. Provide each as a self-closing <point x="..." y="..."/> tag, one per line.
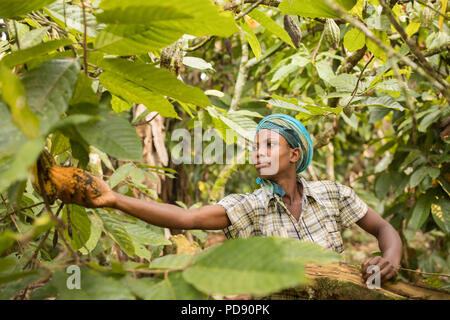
<point x="256" y="265"/>
<point x="145" y="75"/>
<point x="26" y="55"/>
<point x="134" y="93"/>
<point x="142" y="26"/>
<point x="117" y="232"/>
<point x="14" y="8"/>
<point x="313" y="8"/>
<point x="271" y="26"/>
<point x="49" y="88"/>
<point x="115" y="136"/>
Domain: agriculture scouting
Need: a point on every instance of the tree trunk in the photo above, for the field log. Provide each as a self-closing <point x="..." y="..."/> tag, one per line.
<point x="341" y="281"/>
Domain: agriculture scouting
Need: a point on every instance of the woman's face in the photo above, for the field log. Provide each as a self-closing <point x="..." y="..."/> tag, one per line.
<point x="272" y="154"/>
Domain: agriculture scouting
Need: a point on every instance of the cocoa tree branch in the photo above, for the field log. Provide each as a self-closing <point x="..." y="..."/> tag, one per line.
<point x="390" y="52"/>
<point x="242" y="74"/>
<point x="412" y="45"/>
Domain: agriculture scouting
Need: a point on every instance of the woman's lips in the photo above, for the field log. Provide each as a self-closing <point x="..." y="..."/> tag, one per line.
<point x="262" y="164"/>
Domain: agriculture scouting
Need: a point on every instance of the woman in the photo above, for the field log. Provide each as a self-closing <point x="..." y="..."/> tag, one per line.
<point x="286" y="205"/>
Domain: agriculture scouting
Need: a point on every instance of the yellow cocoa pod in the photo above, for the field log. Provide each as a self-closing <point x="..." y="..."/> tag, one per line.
<point x="40" y="170"/>
<point x="74" y="183"/>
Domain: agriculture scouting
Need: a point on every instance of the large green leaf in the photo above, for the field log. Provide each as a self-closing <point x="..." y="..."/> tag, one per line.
<point x="421" y="211"/>
<point x="257" y="265"/>
<point x="13" y="93"/>
<point x="117" y="232"/>
<point x="174" y="287"/>
<point x="16" y="168"/>
<point x="142" y="26"/>
<point x="134" y="93"/>
<point x="252" y="39"/>
<point x="11" y="138"/>
<point x="313" y="8"/>
<point x="49" y="88"/>
<point x="7" y="239"/>
<point x="79" y="224"/>
<point x="94" y="286"/>
<point x="171" y="261"/>
<point x="72" y="17"/>
<point x="141" y="234"/>
<point x="14" y="8"/>
<point x="25" y="55"/>
<point x="271" y="26"/>
<point x="160" y="81"/>
<point x="113" y="135"/>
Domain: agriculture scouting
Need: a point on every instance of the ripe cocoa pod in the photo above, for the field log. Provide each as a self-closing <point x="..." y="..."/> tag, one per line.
<point x="73" y="182"/>
<point x="293" y="30"/>
<point x="332" y="33"/>
<point x="427" y="17"/>
<point x="41" y="171"/>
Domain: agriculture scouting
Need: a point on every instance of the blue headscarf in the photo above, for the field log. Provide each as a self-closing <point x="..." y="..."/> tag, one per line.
<point x="296" y="135"/>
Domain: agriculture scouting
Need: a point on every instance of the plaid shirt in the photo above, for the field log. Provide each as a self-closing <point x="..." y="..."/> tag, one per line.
<point x="327" y="208"/>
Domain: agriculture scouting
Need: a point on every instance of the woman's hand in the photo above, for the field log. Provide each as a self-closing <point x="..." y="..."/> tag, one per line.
<point x="387" y="269"/>
<point x="88" y="199"/>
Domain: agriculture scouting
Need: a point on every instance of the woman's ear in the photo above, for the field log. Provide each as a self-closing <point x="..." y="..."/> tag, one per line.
<point x="295" y="154"/>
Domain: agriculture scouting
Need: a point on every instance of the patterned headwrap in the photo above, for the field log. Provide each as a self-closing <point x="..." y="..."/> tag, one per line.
<point x="296" y="135"/>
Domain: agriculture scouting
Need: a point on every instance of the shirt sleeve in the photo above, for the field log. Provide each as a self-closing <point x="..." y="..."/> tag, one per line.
<point x="351" y="207"/>
<point x="238" y="208"/>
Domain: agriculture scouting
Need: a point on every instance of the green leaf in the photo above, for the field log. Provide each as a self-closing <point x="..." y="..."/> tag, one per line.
<point x="354" y="40"/>
<point x="140" y="233"/>
<point x="374" y="48"/>
<point x="324" y="70"/>
<point x="134" y="93"/>
<point x="144" y="75"/>
<point x="117" y="232"/>
<point x="49" y="88"/>
<point x="32" y="38"/>
<point x="115" y="136"/>
<point x="412" y="28"/>
<point x="80" y="225"/>
<point x="385" y="101"/>
<point x="352" y="121"/>
<point x="171" y="261"/>
<point x="120" y="174"/>
<point x="421" y="211"/>
<point x="306" y="252"/>
<point x="13" y="93"/>
<point x="382" y="185"/>
<point x="13" y="8"/>
<point x="384" y="162"/>
<point x="271" y="26"/>
<point x="25" y="55"/>
<point x="172" y="288"/>
<point x="429" y="119"/>
<point x="119" y="105"/>
<point x="7" y="239"/>
<point x="72" y="16"/>
<point x="16" y="168"/>
<point x="252" y="39"/>
<point x="95" y="234"/>
<point x="421" y="173"/>
<point x="83" y="92"/>
<point x="197" y="63"/>
<point x="441" y="214"/>
<point x="94" y="286"/>
<point x="256" y="265"/>
<point x="313" y="8"/>
<point x="143" y="26"/>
